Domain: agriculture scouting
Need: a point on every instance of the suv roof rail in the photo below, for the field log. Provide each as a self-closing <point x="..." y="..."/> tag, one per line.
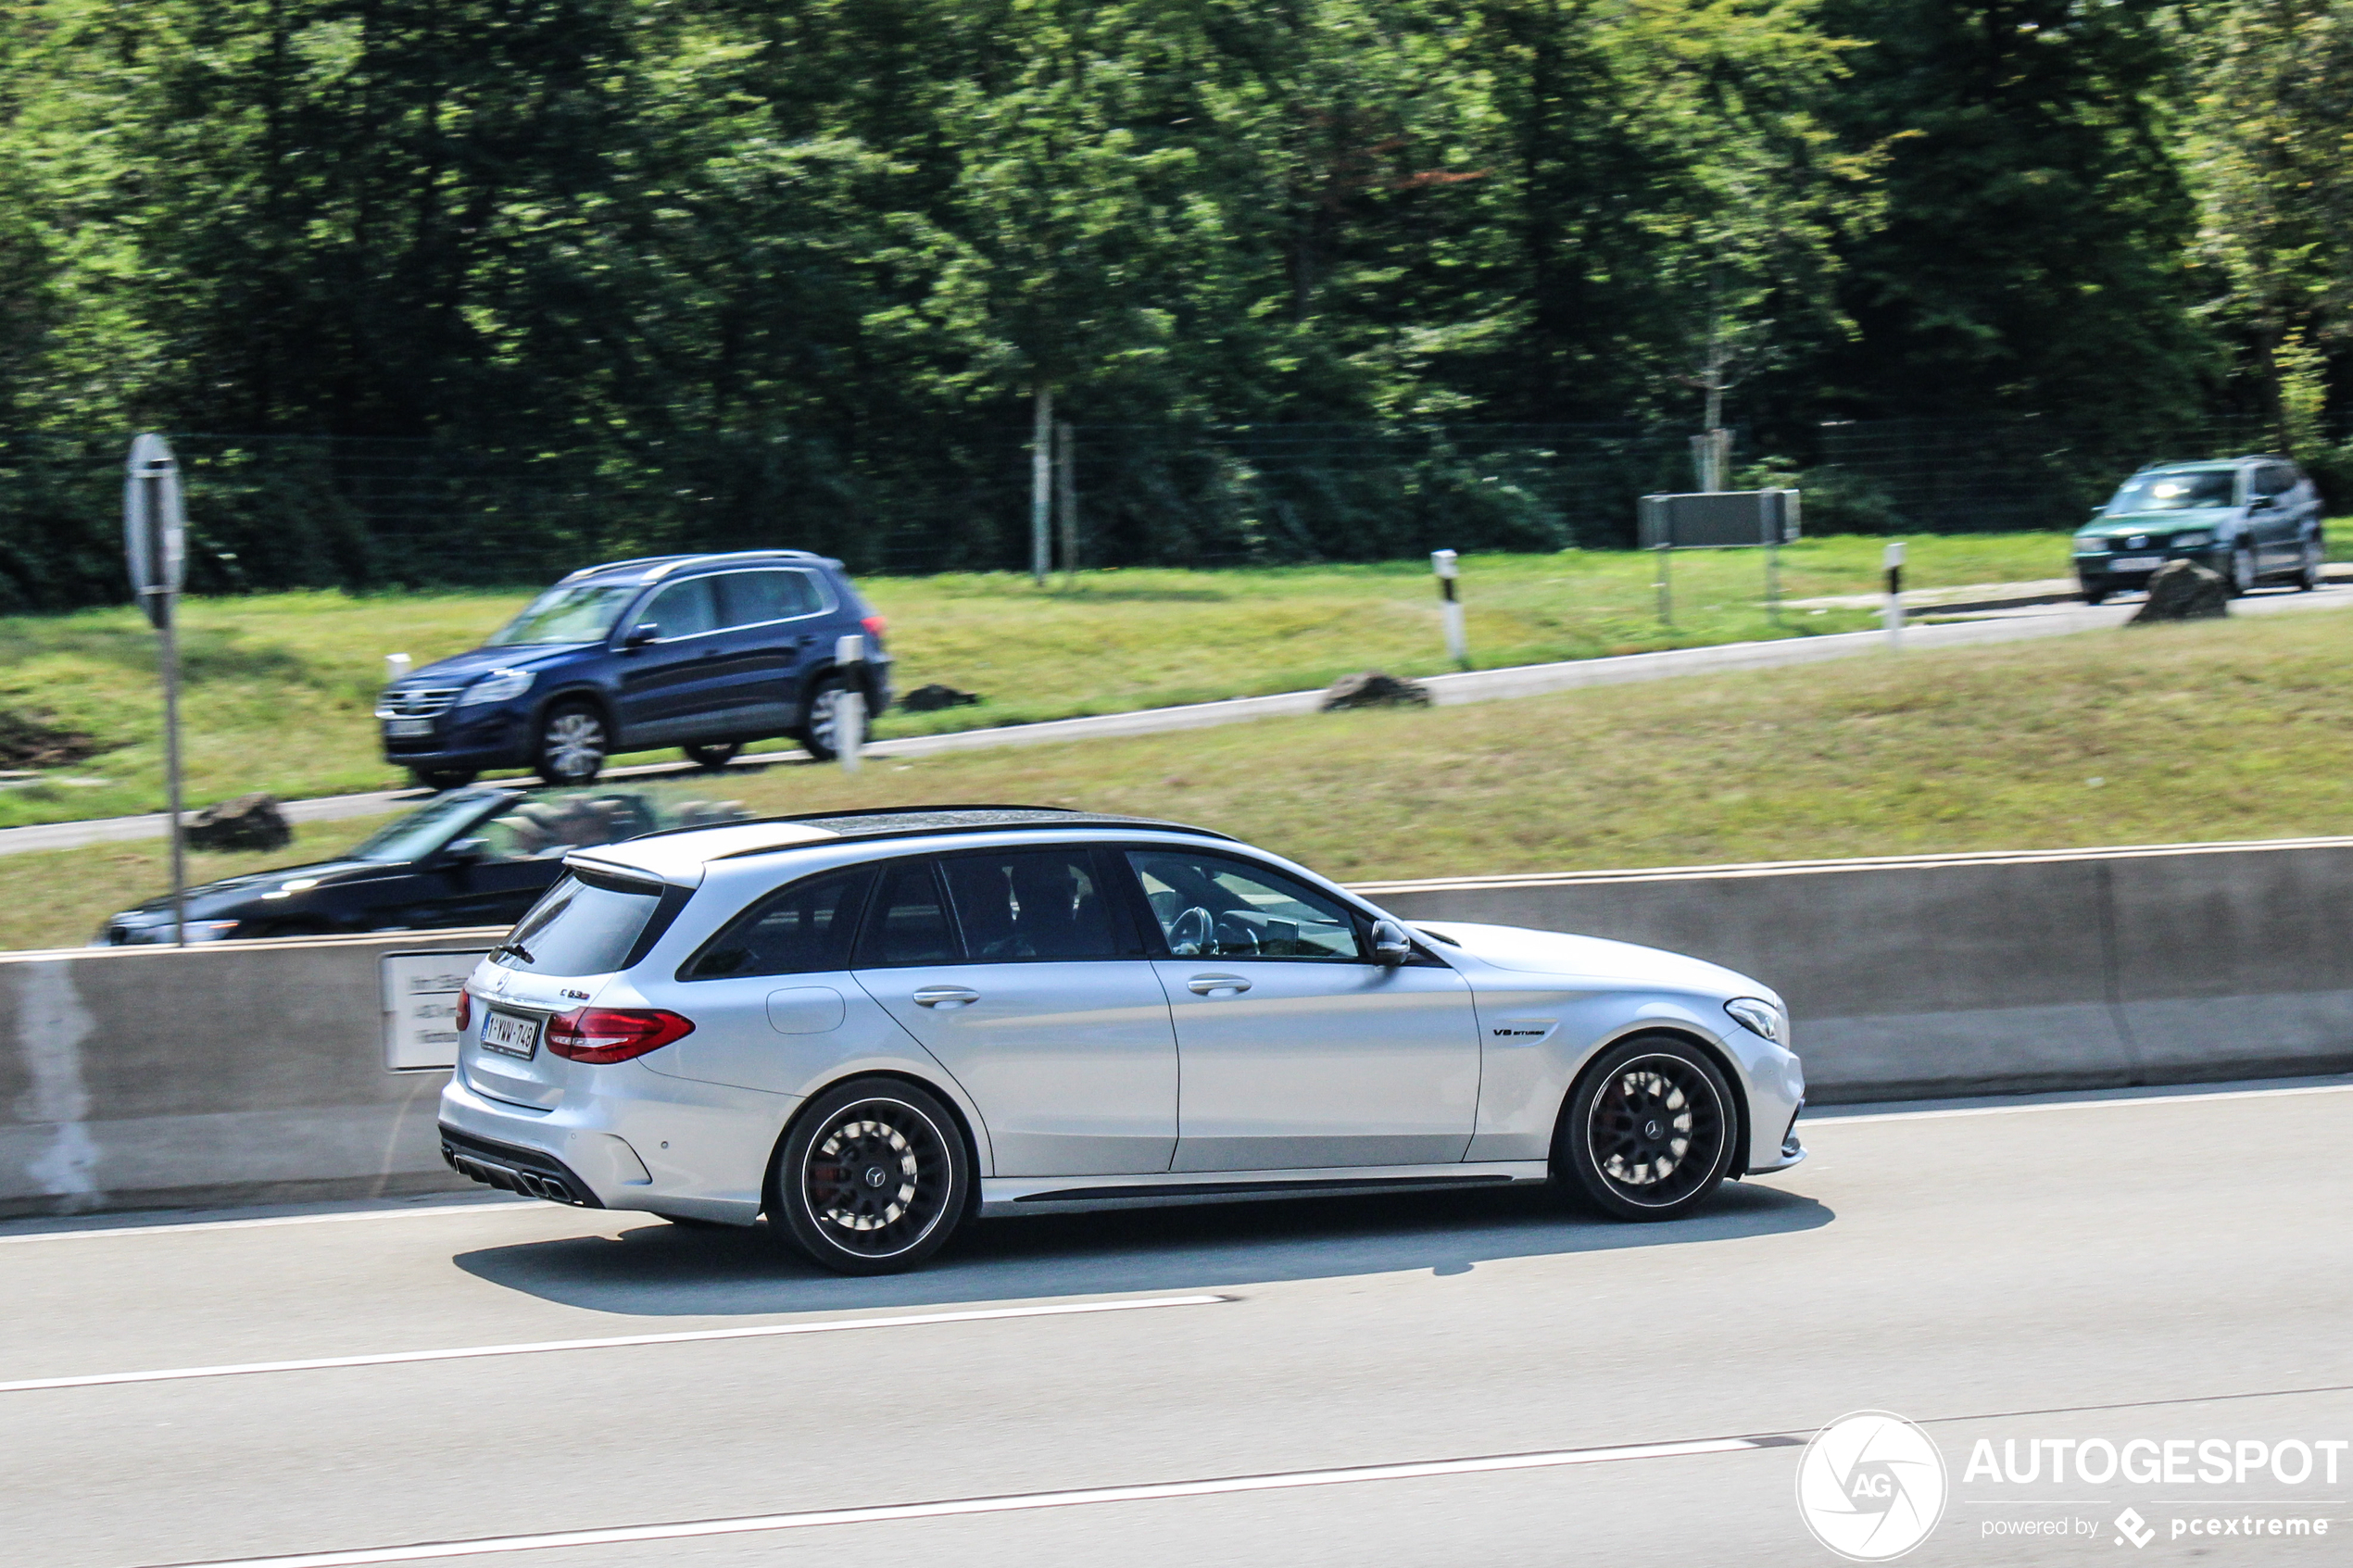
<point x="671" y="563"/>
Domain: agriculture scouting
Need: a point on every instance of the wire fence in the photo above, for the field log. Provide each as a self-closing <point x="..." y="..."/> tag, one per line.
<point x="273" y="512"/>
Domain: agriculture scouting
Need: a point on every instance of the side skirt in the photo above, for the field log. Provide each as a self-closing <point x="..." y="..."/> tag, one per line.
<point x="1031" y="1195"/>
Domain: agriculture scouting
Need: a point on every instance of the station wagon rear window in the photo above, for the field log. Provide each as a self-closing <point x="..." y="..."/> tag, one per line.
<point x="587" y="925"/>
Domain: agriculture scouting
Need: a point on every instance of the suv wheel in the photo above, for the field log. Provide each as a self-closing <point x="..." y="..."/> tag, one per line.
<point x="2242" y="571"/>
<point x="573" y="744"/>
<point x="2094" y="595"/>
<point x="2309" y="576"/>
<point x="820" y="735"/>
<point x="872" y="1179"/>
<point x="713" y="753"/>
<point x="1648" y="1130"/>
<point x="442" y="778"/>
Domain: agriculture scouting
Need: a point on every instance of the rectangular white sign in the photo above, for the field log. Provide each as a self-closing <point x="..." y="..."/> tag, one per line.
<point x="420" y="1008"/>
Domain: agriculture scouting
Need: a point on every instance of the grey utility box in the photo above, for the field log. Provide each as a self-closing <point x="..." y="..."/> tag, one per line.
<point x="1718" y="520"/>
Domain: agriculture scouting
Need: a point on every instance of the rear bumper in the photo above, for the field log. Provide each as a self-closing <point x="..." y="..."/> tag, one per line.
<point x="533" y="1172"/>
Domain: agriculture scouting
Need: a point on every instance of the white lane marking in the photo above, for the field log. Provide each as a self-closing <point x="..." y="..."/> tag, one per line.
<point x="91" y="1232"/>
<point x="1829" y="1120"/>
<point x="687" y="1337"/>
<point x="1018" y="1502"/>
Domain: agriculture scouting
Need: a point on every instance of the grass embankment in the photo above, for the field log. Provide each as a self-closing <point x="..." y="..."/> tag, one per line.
<point x="2239" y="729"/>
<point x="279" y="687"/>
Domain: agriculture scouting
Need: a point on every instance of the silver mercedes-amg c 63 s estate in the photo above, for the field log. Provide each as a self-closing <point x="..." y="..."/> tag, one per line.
<point x="873" y="1026"/>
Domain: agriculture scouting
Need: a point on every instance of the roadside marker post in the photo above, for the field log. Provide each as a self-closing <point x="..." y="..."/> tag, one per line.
<point x="849" y="714"/>
<point x="1449" y="567"/>
<point x="154" y="543"/>
<point x="1892" y="560"/>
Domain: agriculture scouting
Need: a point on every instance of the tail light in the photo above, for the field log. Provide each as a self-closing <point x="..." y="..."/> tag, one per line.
<point x="875" y="624"/>
<point x="605" y="1034"/>
<point x="465" y="1013"/>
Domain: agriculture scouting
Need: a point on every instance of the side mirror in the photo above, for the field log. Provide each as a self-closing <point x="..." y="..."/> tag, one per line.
<point x="1392" y="946"/>
<point x="640" y="635"/>
<point x="2258" y="503"/>
<point x="465" y="851"/>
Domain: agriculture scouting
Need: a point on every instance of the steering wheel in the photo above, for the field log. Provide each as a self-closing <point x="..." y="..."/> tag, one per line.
<point x="1236" y="937"/>
<point x="1192" y="933"/>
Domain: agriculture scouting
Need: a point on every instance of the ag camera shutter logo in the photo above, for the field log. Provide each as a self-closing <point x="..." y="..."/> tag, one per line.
<point x="1871" y="1486"/>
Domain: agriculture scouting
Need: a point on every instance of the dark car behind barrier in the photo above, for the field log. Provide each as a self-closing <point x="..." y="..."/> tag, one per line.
<point x="481" y="856"/>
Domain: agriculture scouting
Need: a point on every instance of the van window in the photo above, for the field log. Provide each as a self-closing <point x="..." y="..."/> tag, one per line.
<point x="803" y="929"/>
<point x="750" y="598"/>
<point x="908" y="922"/>
<point x="683" y="610"/>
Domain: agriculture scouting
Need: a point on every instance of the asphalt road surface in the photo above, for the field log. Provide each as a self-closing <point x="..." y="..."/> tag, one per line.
<point x="1450" y="1379"/>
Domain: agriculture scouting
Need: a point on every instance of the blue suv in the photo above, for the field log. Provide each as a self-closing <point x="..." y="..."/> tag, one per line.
<point x="700" y="652"/>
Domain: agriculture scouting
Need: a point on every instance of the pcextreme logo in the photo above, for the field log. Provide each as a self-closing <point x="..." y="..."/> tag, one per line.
<point x="1871" y="1486"/>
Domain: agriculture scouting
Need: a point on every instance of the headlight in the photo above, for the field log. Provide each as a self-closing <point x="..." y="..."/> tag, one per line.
<point x="2191" y="541"/>
<point x="1759" y="1017"/>
<point x="496" y="686"/>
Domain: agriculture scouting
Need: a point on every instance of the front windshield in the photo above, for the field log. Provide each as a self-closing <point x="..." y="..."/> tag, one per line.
<point x="422" y="832"/>
<point x="2173" y="492"/>
<point x="582" y="612"/>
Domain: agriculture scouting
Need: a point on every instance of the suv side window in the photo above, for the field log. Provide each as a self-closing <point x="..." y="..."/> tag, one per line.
<point x="683" y="610"/>
<point x="1207" y="906"/>
<point x="908" y="921"/>
<point x="754" y="598"/>
<point x="1030" y="904"/>
<point x="801" y="929"/>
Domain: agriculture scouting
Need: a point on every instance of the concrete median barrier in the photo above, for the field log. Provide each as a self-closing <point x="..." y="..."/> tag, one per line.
<point x="258" y="1071"/>
<point x="1934" y="976"/>
<point x="235" y="1072"/>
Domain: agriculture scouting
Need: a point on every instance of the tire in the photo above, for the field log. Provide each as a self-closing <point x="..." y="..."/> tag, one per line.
<point x="2242" y="573"/>
<point x="573" y="741"/>
<point x="816" y="736"/>
<point x="873" y="1178"/>
<point x="2308" y="576"/>
<point x="2094" y="595"/>
<point x="442" y="778"/>
<point x="1648" y="1132"/>
<point x="713" y="753"/>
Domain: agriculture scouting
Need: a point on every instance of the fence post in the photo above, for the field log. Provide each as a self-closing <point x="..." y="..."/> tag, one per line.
<point x="849" y="713"/>
<point x="1448" y="567"/>
<point x="1041" y="481"/>
<point x="1892" y="560"/>
<point x="1066" y="495"/>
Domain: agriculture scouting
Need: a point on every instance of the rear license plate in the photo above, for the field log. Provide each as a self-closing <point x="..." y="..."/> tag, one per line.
<point x="509" y="1033"/>
<point x="2137" y="563"/>
<point x="408" y="729"/>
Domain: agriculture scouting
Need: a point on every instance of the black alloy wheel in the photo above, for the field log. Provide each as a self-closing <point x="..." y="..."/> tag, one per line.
<point x="2309" y="574"/>
<point x="574" y="742"/>
<point x="442" y="778"/>
<point x="713" y="753"/>
<point x="872" y="1179"/>
<point x="1648" y="1132"/>
<point x="2094" y="595"/>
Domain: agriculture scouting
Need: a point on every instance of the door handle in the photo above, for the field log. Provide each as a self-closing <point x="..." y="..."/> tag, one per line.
<point x="944" y="995"/>
<point x="1208" y="985"/>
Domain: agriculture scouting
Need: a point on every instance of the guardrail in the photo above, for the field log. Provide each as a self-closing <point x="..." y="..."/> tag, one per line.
<point x="263" y="1072"/>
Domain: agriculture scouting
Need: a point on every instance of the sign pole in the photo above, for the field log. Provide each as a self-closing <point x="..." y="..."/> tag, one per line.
<point x="155" y="543"/>
<point x="1658" y="580"/>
